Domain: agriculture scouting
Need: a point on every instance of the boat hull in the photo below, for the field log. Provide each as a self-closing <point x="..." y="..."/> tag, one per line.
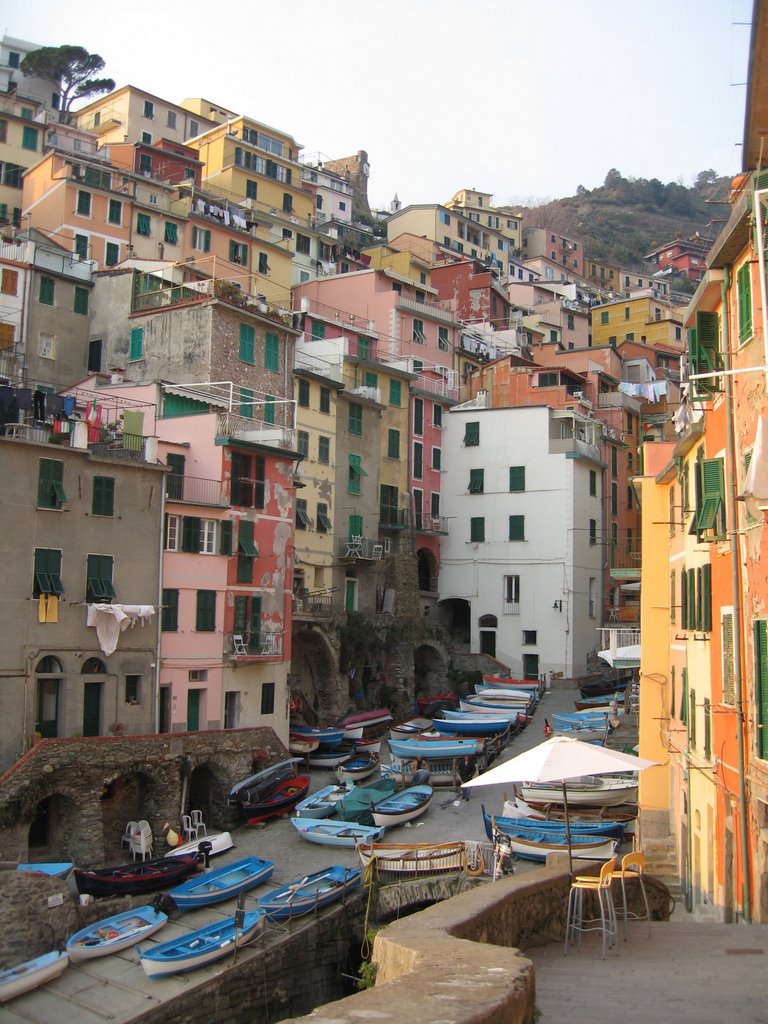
<point x="212" y="887"/>
<point x="440" y="747"/>
<point x="204" y="946"/>
<point x="322" y="804"/>
<point x="15" y="981"/>
<point x="310" y="893"/>
<point x="336" y="833"/>
<point x="415" y="859"/>
<point x="137" y="878"/>
<point x="220" y="843"/>
<point x="113" y="934"/>
<point x="283" y="798"/>
<point x="403" y="806"/>
<point x="580" y="794"/>
<point x="357" y="766"/>
<point x="252" y="789"/>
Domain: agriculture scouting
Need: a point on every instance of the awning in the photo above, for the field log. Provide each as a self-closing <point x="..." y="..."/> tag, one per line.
<point x="354" y="465"/>
<point x="247" y="547"/>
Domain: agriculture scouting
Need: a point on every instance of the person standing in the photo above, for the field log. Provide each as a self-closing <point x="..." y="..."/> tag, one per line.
<point x="467" y="770"/>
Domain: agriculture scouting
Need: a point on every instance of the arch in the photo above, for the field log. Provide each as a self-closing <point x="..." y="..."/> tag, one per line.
<point x="207" y="791"/>
<point x="426" y="565"/>
<point x="430" y="671"/>
<point x="488" y="622"/>
<point x="93" y="667"/>
<point x="315" y="671"/>
<point x="455" y="615"/>
<point x="57" y="828"/>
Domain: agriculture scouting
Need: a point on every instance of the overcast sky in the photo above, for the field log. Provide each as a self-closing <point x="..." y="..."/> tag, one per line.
<point x="522" y="98"/>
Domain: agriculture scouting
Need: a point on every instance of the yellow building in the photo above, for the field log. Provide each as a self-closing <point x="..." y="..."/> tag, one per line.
<point x="644" y="319"/>
<point x="478" y="206"/>
<point x="400" y="261"/>
<point x="453" y="228"/>
<point x="21" y="146"/>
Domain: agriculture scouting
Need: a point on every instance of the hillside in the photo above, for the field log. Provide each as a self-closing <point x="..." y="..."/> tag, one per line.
<point x="625" y="218"/>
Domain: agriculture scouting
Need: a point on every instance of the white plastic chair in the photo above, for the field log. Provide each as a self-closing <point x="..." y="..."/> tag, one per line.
<point x="197" y="824"/>
<point x="130" y="828"/>
<point x="187" y="828"/>
<point x="141" y="843"/>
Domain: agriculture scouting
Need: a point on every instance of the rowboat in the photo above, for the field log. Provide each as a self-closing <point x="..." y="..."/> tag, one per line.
<point x="406" y="730"/>
<point x="112" y="934"/>
<point x="367" y="719"/>
<point x="330" y="758"/>
<point x="511" y="825"/>
<point x="477" y="707"/>
<point x="326" y="736"/>
<point x="357" y="766"/>
<point x="56" y="869"/>
<point x="599" y="791"/>
<point x="321" y="804"/>
<point x="520" y="694"/>
<point x="623" y="813"/>
<point x="250" y="790"/>
<point x="222" y="883"/>
<point x="357" y="804"/>
<point x="14" y="981"/>
<point x="465" y="724"/>
<point x="204" y="946"/>
<point x="512" y="683"/>
<point x="282" y="797"/>
<point x="403" y="806"/>
<point x="336" y="833"/>
<point x="370" y="746"/>
<point x="309" y="893"/>
<point x="413" y="858"/>
<point x="432" y="746"/>
<point x="302" y="745"/>
<point x="538" y="846"/>
<point x="615" y="699"/>
<point x="425" y="704"/>
<point x="602" y="689"/>
<point x="220" y="843"/>
<point x="140" y="877"/>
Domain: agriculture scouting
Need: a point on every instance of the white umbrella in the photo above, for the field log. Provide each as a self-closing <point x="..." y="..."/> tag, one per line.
<point x="556" y="760"/>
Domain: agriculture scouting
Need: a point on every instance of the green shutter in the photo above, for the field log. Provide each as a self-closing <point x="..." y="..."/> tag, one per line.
<point x="760" y="631"/>
<point x="136" y="350"/>
<point x="46" y="291"/>
<point x="729" y="689"/>
<point x="684" y="598"/>
<point x="477" y="529"/>
<point x="143" y="224"/>
<point x="744" y="290"/>
<point x="205" y="619"/>
<point x="318" y="330"/>
<point x="710" y="515"/>
<point x="472" y="433"/>
<point x="704" y="353"/>
<point x="225" y="537"/>
<point x="684" y="699"/>
<point x="517" y="527"/>
<point x="99" y="578"/>
<point x="81" y="301"/>
<point x="395" y="392"/>
<point x="240" y="618"/>
<point x="171" y="233"/>
<point x="190" y="536"/>
<point x="246" y="403"/>
<point x="517" y="478"/>
<point x="691" y="599"/>
<point x="271" y="351"/>
<point x="169" y="622"/>
<point x="476" y="481"/>
<point x="706" y="598"/>
<point x="247" y="343"/>
<point x="50" y="484"/>
<point x="103" y="496"/>
<point x="393" y="444"/>
<point x="47" y="572"/>
<point x="269" y="409"/>
<point x="355" y="526"/>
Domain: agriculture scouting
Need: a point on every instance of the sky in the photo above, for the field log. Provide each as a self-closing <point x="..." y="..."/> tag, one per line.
<point x="525" y="99"/>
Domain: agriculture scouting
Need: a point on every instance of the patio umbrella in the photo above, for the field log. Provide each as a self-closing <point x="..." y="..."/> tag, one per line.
<point x="556" y="760"/>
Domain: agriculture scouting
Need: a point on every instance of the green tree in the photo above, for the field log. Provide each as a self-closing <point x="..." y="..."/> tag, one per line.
<point x="72" y="69"/>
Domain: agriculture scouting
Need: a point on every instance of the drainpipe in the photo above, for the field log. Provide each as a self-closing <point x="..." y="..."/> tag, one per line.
<point x="734" y="539"/>
<point x="159" y="619"/>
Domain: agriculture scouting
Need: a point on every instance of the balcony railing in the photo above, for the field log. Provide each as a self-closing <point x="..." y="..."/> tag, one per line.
<point x="428" y="309"/>
<point x="254" y="644"/>
<point x="625" y="558"/>
<point x="313" y="605"/>
<point x="425" y="523"/>
<point x="612" y="637"/>
<point x="195" y="490"/>
<point x="229" y="424"/>
<point x="365" y="548"/>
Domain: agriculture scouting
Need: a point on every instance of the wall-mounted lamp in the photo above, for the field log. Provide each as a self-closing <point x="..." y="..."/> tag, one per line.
<point x="558" y="605"/>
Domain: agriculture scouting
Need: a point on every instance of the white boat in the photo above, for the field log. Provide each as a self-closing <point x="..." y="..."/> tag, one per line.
<point x="403" y="806"/>
<point x="14" y="981"/>
<point x="113" y="934"/>
<point x="336" y="833"/>
<point x="357" y="766"/>
<point x="598" y="791"/>
<point x="204" y="946"/>
<point x="413" y="858"/>
<point x="321" y="804"/>
<point x="220" y="842"/>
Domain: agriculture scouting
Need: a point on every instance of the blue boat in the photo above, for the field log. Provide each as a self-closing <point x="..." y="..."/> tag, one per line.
<point x="524" y="826"/>
<point x="221" y="883"/>
<point x="14" y="981"/>
<point x="337" y="833"/>
<point x="446" y="746"/>
<point x="310" y="893"/>
<point x="328" y="737"/>
<point x="465" y="724"/>
<point x="403" y="806"/>
<point x="204" y="946"/>
<point x="58" y="869"/>
<point x="321" y="804"/>
<point x="475" y="706"/>
<point x="112" y="934"/>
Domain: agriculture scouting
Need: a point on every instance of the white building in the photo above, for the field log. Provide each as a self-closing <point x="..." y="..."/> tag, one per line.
<point x="521" y="566"/>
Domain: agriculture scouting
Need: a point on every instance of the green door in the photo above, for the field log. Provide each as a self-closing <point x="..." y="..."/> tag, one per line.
<point x="47" y="723"/>
<point x="530" y="666"/>
<point x="92" y="709"/>
<point x="350" y="596"/>
<point x="193" y="710"/>
<point x="254" y="625"/>
<point x="164" y="724"/>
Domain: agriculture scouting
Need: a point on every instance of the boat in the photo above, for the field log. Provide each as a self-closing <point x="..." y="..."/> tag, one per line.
<point x="282" y="797"/>
<point x="14" y="981"/>
<point x="250" y="790"/>
<point x="500" y="693"/>
<point x="512" y="712"/>
<point x="403" y="806"/>
<point x="413" y="859"/>
<point x="336" y="833"/>
<point x="370" y="746"/>
<point x="365" y="720"/>
<point x="330" y="758"/>
<point x="113" y="934"/>
<point x="624" y="813"/>
<point x="465" y="724"/>
<point x="309" y="893"/>
<point x="603" y="689"/>
<point x="55" y="869"/>
<point x="220" y="843"/>
<point x="222" y="883"/>
<point x="425" y="704"/>
<point x="406" y="730"/>
<point x="357" y="804"/>
<point x="537" y="846"/>
<point x="136" y="878"/>
<point x="513" y="825"/>
<point x="612" y="700"/>
<point x="321" y="804"/>
<point x="600" y="791"/>
<point x="326" y="736"/>
<point x="357" y="766"/>
<point x="203" y="946"/>
<point x="302" y="745"/>
<point x="433" y="745"/>
<point x="513" y="683"/>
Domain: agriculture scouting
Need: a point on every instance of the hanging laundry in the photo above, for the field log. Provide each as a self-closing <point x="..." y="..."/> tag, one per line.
<point x="42" y="608"/>
<point x="68" y="404"/>
<point x="38" y="405"/>
<point x="52" y="614"/>
<point x="24" y="398"/>
<point x="55" y="405"/>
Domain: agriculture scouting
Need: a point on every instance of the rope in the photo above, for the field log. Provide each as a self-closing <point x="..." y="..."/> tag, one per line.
<point x="370" y="879"/>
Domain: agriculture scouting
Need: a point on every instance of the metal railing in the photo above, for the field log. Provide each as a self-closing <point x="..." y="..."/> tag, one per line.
<point x="229" y="424"/>
<point x="625" y="558"/>
<point x="254" y="644"/>
<point x="195" y="490"/>
<point x="368" y="548"/>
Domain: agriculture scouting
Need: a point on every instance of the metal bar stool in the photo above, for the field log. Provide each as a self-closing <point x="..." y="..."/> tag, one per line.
<point x="632" y="868"/>
<point x="607" y="923"/>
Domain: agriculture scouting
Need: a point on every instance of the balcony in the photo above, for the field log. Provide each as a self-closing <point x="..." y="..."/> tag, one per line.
<point x="441" y="385"/>
<point x="313" y="605"/>
<point x="425" y="523"/>
<point x="112" y="442"/>
<point x="195" y="490"/>
<point x="427" y="309"/>
<point x="625" y="559"/>
<point x="242" y="428"/>
<point x="360" y="548"/>
<point x="253" y="644"/>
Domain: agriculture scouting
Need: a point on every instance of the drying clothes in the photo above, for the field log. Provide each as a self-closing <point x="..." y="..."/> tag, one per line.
<point x="38" y="405"/>
<point x="52" y="612"/>
<point x="24" y="398"/>
<point x="55" y="405"/>
<point x="68" y="403"/>
<point x="110" y="620"/>
<point x="42" y="608"/>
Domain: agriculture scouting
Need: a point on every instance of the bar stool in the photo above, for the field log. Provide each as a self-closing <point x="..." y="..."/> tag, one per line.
<point x="607" y="924"/>
<point x="632" y="868"/>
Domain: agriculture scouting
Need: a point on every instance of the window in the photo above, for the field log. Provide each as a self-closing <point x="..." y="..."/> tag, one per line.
<point x="511" y="595"/>
<point x="115" y="212"/>
<point x="442" y="339"/>
<point x="476" y="481"/>
<point x="47" y="286"/>
<point x="269" y="409"/>
<point x="171" y="233"/>
<point x="592" y="600"/>
<point x="169" y="618"/>
<point x="729" y="690"/>
<point x="112" y="256"/>
<point x="388" y="499"/>
<point x="246" y="407"/>
<point x="132" y="689"/>
<point x="302" y="519"/>
<point x="437" y="416"/>
<point x="81" y="300"/>
<point x="418" y="460"/>
<point x="592" y="531"/>
<point x="238" y="253"/>
<point x="149" y="110"/>
<point x="530" y="637"/>
<point x="201" y="239"/>
<point x="604" y="317"/>
<point x="136" y="349"/>
<point x="614" y="498"/>
<point x="247" y="343"/>
<point x="251" y="188"/>
<point x="324" y="450"/>
<point x="10" y="282"/>
<point x="267" y="698"/>
<point x="517" y="478"/>
<point x="614" y="462"/>
<point x="472" y="433"/>
<point x="47" y="572"/>
<point x="355" y="422"/>
<point x="302" y="443"/>
<point x="517" y="527"/>
<point x="246" y="551"/>
<point x="592" y="483"/>
<point x="271" y="351"/>
<point x="437" y="458"/>
<point x="318" y="330"/>
<point x="171" y="119"/>
<point x="83" y="203"/>
<point x="50" y="488"/>
<point x="760" y="638"/>
<point x="395" y="392"/>
<point x="325" y="400"/>
<point x="205" y="617"/>
<point x="704" y="356"/>
<point x="172" y="534"/>
<point x="324" y="524"/>
<point x="355" y="474"/>
<point x="418" y="332"/>
<point x="393" y="444"/>
<point x="418" y="416"/>
<point x="99" y="578"/>
<point x="744" y="288"/>
<point x="355" y="526"/>
<point x="207" y="536"/>
<point x="303" y="244"/>
<point x="630" y="496"/>
<point x="630" y="423"/>
<point x="569" y="321"/>
<point x="81" y="246"/>
<point x="143" y="224"/>
<point x="263" y="263"/>
<point x="47" y="346"/>
<point x="103" y="502"/>
<point x="477" y="529"/>
<point x="194" y="129"/>
<point x="225" y="537"/>
<point x="190" y="536"/>
<point x="303" y="396"/>
<point x="709" y="520"/>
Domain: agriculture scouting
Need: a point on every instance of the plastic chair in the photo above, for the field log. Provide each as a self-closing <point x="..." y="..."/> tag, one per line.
<point x="198" y="824"/>
<point x="130" y="828"/>
<point x="187" y="828"/>
<point x="141" y="842"/>
<point x="607" y="924"/>
<point x="632" y="868"/>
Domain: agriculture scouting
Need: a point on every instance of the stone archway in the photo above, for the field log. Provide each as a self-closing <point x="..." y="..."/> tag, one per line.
<point x="430" y="671"/>
<point x="315" y="672"/>
<point x="207" y="792"/>
<point x="58" y="829"/>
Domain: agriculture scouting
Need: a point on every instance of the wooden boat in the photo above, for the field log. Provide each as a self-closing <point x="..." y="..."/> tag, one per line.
<point x="250" y="790"/>
<point x="112" y="934"/>
<point x="365" y="719"/>
<point x="403" y="806"/>
<point x="463" y="723"/>
<point x="310" y="893"/>
<point x="302" y="745"/>
<point x="512" y="683"/>
<point x="518" y="693"/>
<point x="327" y="736"/>
<point x="615" y="699"/>
<point x="413" y="859"/>
<point x="321" y="804"/>
<point x="409" y="729"/>
<point x="14" y="981"/>
<point x="357" y="804"/>
<point x="330" y="758"/>
<point x="509" y="711"/>
<point x="282" y="797"/>
<point x="336" y="833"/>
<point x="602" y="689"/>
<point x="222" y="883"/>
<point x="204" y="946"/>
<point x="136" y="878"/>
<point x="624" y="813"/>
<point x="424" y="704"/>
<point x="369" y="746"/>
<point x="538" y="846"/>
<point x="57" y="869"/>
<point x="432" y="746"/>
<point x="357" y="766"/>
<point x="220" y="843"/>
<point x="511" y="825"/>
<point x="599" y="791"/>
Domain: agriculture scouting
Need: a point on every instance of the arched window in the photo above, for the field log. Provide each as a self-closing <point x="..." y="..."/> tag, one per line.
<point x="49" y="676"/>
<point x="93" y="667"/>
<point x="488" y="622"/>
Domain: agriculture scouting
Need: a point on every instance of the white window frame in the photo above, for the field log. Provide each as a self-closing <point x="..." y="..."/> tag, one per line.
<point x="172" y="539"/>
<point x="207" y="536"/>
